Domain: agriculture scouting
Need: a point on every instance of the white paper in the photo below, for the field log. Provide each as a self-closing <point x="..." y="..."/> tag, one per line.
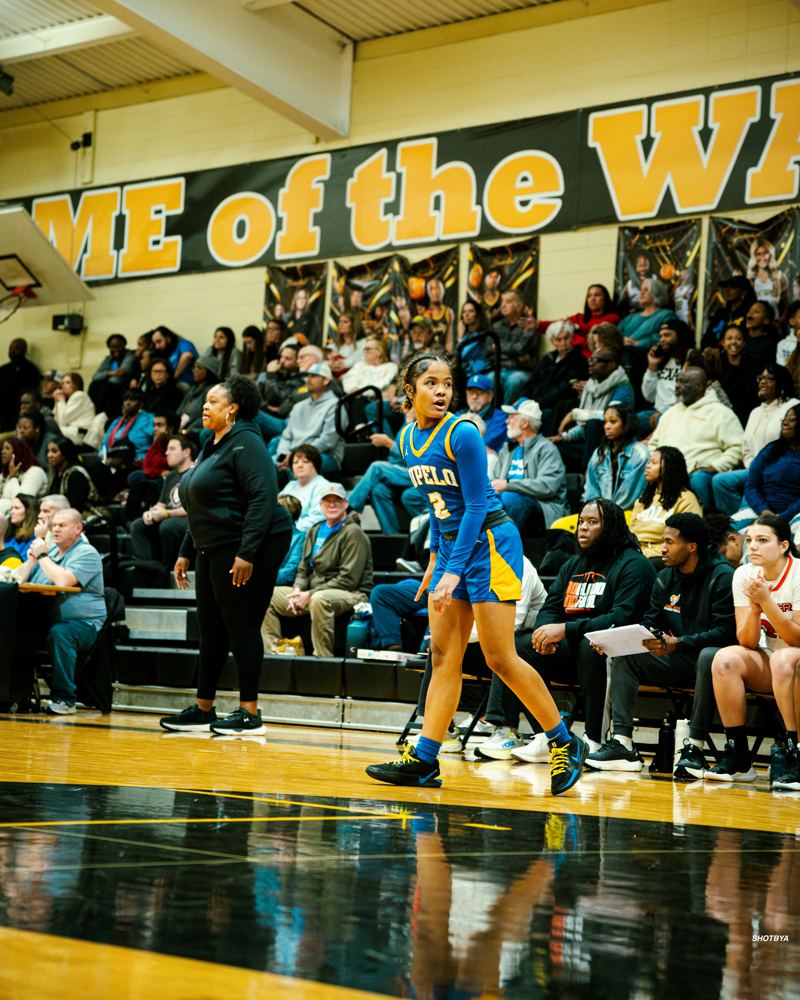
<point x="623" y="641"/>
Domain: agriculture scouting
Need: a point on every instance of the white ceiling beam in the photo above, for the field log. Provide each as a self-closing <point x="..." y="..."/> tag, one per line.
<point x="281" y="56"/>
<point x="263" y="4"/>
<point x="63" y="38"/>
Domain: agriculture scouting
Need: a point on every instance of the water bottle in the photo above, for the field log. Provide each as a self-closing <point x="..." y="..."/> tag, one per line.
<point x="357" y="636"/>
<point x="778" y="761"/>
<point x="662" y="762"/>
<point x="681" y="734"/>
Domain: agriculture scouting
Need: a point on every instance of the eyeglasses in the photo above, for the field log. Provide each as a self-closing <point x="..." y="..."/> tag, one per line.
<point x="765" y="378"/>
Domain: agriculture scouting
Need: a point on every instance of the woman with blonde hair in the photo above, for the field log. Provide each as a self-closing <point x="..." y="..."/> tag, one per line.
<point x="375" y="369"/>
<point x="346" y="344"/>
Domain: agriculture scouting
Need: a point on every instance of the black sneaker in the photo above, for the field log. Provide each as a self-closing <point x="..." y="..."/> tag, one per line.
<point x="780" y="759"/>
<point x="614" y="756"/>
<point x="409" y="770"/>
<point x="566" y="763"/>
<point x="791" y="776"/>
<point x="240" y="721"/>
<point x="191" y="720"/>
<point x="734" y="766"/>
<point x="691" y="763"/>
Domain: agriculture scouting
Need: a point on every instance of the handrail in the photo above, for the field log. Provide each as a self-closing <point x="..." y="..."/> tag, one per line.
<point x="342" y="405"/>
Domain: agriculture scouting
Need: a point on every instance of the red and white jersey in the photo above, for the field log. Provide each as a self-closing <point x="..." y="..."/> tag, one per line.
<point x="785" y="592"/>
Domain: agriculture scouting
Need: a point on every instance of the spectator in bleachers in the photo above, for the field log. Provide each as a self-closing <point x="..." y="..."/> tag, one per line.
<point x="531" y="479"/>
<point x="313" y="421"/>
<point x="773" y="480"/>
<point x="49" y="506"/>
<point x="67" y="476"/>
<point x="51" y="380"/>
<point x="640" y="329"/>
<point x="135" y="425"/>
<point x="307" y="485"/>
<point x="739" y="296"/>
<point x="22" y="517"/>
<point x="30" y="401"/>
<point x="291" y="561"/>
<point x="518" y="343"/>
<point x="733" y="373"/>
<point x="158" y="534"/>
<point x="32" y="429"/>
<point x="16" y="376"/>
<point x="162" y="392"/>
<point x="666" y="492"/>
<point x="20" y="472"/>
<point x="607" y="583"/>
<point x="788" y="350"/>
<point x="254" y="359"/>
<point x="760" y="343"/>
<point x="472" y="323"/>
<point x="335" y="574"/>
<point x="347" y="344"/>
<point x="731" y="543"/>
<point x="278" y="384"/>
<point x="776" y="390"/>
<point x="598" y="308"/>
<point x="616" y="469"/>
<point x="178" y="351"/>
<point x="375" y="369"/>
<point x="386" y="483"/>
<point x="766" y="600"/>
<point x="9" y="557"/>
<point x="117" y="371"/>
<point x="274" y="336"/>
<point x="692" y="606"/>
<point x="707" y="433"/>
<point x="480" y="400"/>
<point x="664" y="360"/>
<point x="559" y="369"/>
<point x="73" y="619"/>
<point x="146" y="483"/>
<point x="74" y="411"/>
<point x="205" y="373"/>
<point x="224" y="351"/>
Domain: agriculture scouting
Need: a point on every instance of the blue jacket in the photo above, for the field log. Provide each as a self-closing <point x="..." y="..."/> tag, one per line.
<point x="495" y="420"/>
<point x="140" y="434"/>
<point x="631" y="464"/>
<point x="774" y="485"/>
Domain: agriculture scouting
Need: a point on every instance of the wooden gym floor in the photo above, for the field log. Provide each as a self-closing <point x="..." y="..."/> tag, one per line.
<point x="136" y="863"/>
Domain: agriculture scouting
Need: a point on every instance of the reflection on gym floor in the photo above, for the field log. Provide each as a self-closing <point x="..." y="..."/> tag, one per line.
<point x="431" y="901"/>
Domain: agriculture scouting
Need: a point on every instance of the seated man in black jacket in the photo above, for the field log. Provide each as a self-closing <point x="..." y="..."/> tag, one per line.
<point x="692" y="605"/>
<point x="607" y="583"/>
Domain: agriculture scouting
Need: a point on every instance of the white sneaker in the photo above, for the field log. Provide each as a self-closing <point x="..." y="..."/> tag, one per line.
<point x="535" y="752"/>
<point x="481" y="728"/>
<point x="499" y="745"/>
<point x="451" y="744"/>
<point x="57" y="707"/>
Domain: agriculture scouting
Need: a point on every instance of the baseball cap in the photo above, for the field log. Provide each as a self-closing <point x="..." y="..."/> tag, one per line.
<point x="320" y="368"/>
<point x="482" y="382"/>
<point x="53" y="375"/>
<point x="334" y="489"/>
<point x="422" y="321"/>
<point x="525" y="408"/>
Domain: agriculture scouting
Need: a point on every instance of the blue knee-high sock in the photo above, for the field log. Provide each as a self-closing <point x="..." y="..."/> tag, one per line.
<point x="559" y="733"/>
<point x="428" y="750"/>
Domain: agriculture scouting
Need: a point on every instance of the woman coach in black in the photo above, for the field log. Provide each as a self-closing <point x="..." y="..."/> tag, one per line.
<point x="240" y="534"/>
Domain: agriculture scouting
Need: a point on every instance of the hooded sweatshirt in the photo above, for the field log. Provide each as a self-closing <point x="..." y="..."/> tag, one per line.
<point x="706" y="433"/>
<point x="596" y="397"/>
<point x="589" y="596"/>
<point x="696" y="607"/>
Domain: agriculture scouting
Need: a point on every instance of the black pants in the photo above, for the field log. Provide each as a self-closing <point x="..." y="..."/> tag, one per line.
<point x="229" y="618"/>
<point x="570" y="662"/>
<point x="689" y="670"/>
<point x="160" y="542"/>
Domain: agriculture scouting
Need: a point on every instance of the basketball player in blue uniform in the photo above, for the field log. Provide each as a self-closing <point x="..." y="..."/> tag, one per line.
<point x="474" y="575"/>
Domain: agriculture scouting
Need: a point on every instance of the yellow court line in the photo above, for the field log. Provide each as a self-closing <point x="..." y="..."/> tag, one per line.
<point x="186" y="822"/>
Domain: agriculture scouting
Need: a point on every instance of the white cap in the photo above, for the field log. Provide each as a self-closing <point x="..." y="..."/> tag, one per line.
<point x="320" y="368"/>
<point x="528" y="408"/>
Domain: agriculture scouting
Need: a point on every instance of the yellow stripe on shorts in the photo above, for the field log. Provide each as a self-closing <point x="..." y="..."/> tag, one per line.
<point x="505" y="584"/>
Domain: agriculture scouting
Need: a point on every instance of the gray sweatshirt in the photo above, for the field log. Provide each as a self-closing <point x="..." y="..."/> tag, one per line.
<point x="314" y="422"/>
<point x="545" y="477"/>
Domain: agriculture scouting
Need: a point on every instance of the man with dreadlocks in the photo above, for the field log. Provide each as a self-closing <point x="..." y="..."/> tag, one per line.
<point x="607" y="583"/>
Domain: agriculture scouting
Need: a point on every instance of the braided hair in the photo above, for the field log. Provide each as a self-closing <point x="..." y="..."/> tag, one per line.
<point x="674" y="479"/>
<point x="416" y="367"/>
<point x="614" y="535"/>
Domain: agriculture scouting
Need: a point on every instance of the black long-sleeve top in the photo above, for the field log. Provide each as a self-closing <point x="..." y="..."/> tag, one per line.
<point x="230" y="495"/>
<point x="696" y="607"/>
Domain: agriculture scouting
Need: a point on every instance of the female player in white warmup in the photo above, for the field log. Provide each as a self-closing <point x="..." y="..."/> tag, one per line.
<point x="474" y="574"/>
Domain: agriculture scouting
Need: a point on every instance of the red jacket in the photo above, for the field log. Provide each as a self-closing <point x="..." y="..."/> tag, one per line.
<point x="155" y="461"/>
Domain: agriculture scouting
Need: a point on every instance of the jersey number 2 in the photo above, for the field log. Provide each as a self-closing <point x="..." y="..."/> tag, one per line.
<point x="439" y="509"/>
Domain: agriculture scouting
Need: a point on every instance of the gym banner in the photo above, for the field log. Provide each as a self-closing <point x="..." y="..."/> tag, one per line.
<point x="714" y="149"/>
<point x="297" y="296"/>
<point x="433" y="292"/>
<point x="374" y="292"/>
<point x="663" y="255"/>
<point x="494" y="271"/>
<point x="766" y="253"/>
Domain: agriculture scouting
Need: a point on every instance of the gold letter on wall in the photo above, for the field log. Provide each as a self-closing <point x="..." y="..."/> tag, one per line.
<point x="146" y="206"/>
<point x="240" y="229"/>
<point x="423" y="182"/>
<point x="91" y="229"/>
<point x="521" y="194"/>
<point x="367" y="190"/>
<point x="695" y="176"/>
<point x="776" y="176"/>
<point x="299" y="201"/>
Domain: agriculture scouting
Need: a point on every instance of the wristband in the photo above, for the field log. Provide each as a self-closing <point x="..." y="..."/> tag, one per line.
<point x="166" y="513"/>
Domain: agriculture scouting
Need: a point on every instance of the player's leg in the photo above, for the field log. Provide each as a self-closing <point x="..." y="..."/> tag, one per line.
<point x="734" y="670"/>
<point x="784" y="665"/>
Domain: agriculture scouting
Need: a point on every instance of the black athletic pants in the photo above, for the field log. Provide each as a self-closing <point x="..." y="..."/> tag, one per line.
<point x="229" y="618"/>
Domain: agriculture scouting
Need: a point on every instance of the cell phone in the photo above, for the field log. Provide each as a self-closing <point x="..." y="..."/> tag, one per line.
<point x="283" y="456"/>
<point x="658" y="350"/>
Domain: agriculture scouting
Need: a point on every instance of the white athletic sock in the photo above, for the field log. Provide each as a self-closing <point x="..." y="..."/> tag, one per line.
<point x="696" y="743"/>
<point x="626" y="741"/>
<point x="593" y="744"/>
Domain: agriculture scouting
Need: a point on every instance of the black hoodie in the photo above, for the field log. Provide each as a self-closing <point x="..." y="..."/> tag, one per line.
<point x="230" y="495"/>
<point x="590" y="596"/>
<point x="697" y="607"/>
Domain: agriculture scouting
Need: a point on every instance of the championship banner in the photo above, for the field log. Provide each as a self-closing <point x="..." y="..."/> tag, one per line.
<point x="766" y="253"/>
<point x="715" y="149"/>
<point x="493" y="271"/>
<point x="433" y="292"/>
<point x="374" y="292"/>
<point x="297" y="296"/>
<point x="668" y="255"/>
